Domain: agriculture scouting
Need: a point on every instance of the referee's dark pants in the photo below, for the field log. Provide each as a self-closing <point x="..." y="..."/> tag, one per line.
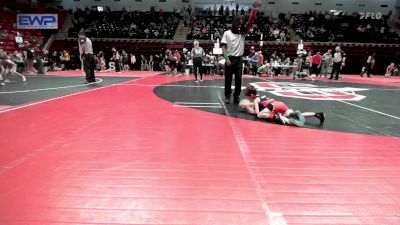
<point x="235" y="68"/>
<point x="368" y="68"/>
<point x="88" y="67"/>
<point x="198" y="65"/>
<point x="336" y="70"/>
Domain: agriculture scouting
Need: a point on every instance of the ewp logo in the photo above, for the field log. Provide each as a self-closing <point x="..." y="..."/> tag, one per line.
<point x="37" y="21"/>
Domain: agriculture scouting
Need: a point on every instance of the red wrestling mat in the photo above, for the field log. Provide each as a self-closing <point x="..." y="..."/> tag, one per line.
<point x="377" y="80"/>
<point x="121" y="155"/>
<point x="4" y="107"/>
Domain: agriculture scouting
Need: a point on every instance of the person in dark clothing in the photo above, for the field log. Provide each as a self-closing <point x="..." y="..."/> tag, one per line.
<point x="370" y="65"/>
<point x="87" y="57"/>
<point x="339" y="60"/>
<point x="116" y="57"/>
<point x="38" y="58"/>
<point x="232" y="44"/>
<point x="29" y="58"/>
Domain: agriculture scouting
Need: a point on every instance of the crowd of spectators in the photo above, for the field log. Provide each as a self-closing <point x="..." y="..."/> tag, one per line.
<point x="312" y="26"/>
<point x="203" y="24"/>
<point x="208" y="23"/>
<point x="272" y="29"/>
<point x="326" y="26"/>
<point x="125" y="24"/>
<point x="10" y="36"/>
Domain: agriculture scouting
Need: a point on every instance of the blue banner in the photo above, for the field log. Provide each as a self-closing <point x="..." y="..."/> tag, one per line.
<point x="37" y="21"/>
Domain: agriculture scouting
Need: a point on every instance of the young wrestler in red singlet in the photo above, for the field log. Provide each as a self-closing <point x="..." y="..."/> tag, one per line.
<point x="266" y="108"/>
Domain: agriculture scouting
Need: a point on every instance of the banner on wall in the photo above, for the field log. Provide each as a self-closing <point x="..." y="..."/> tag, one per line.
<point x="371" y="15"/>
<point x="37" y="21"/>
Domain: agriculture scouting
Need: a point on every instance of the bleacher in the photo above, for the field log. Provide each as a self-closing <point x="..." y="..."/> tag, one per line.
<point x="123" y="24"/>
<point x="107" y="30"/>
<point x="8" y="24"/>
<point x="342" y="28"/>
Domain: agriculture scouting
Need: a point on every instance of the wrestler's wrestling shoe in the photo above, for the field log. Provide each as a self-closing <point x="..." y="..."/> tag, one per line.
<point x="321" y="117"/>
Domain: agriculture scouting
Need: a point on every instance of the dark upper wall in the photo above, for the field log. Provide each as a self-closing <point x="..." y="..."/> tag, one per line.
<point x="267" y="5"/>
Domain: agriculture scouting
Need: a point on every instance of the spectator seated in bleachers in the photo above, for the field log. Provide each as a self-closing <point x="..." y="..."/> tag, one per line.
<point x="206" y="25"/>
<point x="8" y="24"/>
<point x="325" y="27"/>
<point x="124" y="24"/>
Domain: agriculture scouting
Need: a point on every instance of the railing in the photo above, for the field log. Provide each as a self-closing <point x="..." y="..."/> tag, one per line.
<point x="256" y="43"/>
<point x="49" y="42"/>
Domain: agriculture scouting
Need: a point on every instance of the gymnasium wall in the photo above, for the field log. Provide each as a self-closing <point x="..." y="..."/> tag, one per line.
<point x="144" y="5"/>
<point x="269" y="6"/>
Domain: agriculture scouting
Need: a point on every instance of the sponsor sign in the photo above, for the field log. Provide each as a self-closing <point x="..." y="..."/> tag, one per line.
<point x="370" y="15"/>
<point x="37" y="21"/>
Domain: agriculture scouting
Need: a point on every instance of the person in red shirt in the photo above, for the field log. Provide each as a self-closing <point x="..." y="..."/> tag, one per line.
<point x="271" y="109"/>
<point x="178" y="57"/>
<point x="316" y="61"/>
<point x="260" y="58"/>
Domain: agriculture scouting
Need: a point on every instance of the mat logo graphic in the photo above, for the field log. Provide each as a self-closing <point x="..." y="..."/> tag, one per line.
<point x="37" y="21"/>
<point x="309" y="91"/>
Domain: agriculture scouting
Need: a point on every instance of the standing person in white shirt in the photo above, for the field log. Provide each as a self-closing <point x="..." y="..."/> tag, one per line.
<point x="232" y="44"/>
<point x="133" y="61"/>
<point x="339" y="60"/>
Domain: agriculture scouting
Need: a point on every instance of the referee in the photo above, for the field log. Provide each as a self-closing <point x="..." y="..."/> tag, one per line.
<point x="232" y="44"/>
<point x="339" y="60"/>
<point x="87" y="58"/>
